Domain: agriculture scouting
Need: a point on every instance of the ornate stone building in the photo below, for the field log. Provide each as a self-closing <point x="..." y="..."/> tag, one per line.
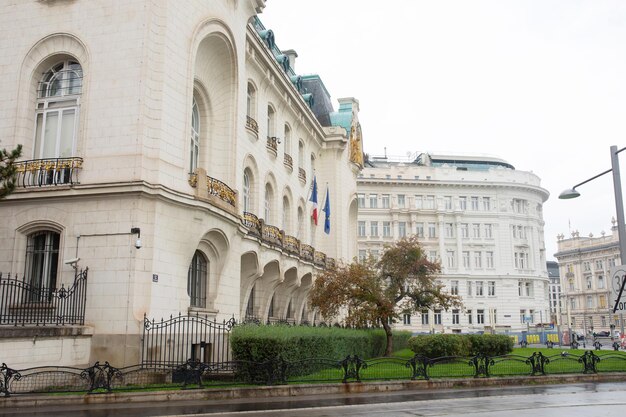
<point x="585" y="265"/>
<point x="171" y="151"/>
<point x="480" y="217"/>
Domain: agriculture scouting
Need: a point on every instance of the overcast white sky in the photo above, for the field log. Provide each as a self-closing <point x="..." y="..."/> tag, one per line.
<point x="541" y="84"/>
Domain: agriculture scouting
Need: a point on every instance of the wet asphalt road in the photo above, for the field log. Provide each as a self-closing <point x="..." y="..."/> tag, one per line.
<point x="601" y="399"/>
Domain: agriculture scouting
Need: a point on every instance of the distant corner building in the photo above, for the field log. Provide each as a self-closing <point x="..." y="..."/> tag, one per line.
<point x="480" y="217"/>
<point x="585" y="264"/>
<point x="171" y="152"/>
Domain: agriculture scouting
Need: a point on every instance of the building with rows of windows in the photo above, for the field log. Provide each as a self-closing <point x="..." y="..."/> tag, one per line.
<point x="480" y="218"/>
<point x="173" y="157"/>
<point x="585" y="265"/>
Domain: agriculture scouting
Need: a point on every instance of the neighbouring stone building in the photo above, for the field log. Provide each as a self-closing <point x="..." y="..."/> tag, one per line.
<point x="556" y="306"/>
<point x="170" y="149"/>
<point x="585" y="265"/>
<point x="480" y="217"/>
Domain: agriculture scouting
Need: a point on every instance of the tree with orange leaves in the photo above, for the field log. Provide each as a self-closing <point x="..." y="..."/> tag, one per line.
<point x="374" y="291"/>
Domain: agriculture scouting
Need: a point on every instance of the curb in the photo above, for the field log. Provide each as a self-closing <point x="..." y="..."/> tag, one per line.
<point x="214" y="394"/>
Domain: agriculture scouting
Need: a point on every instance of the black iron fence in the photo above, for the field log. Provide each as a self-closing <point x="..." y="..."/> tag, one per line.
<point x="179" y="338"/>
<point x="25" y="303"/>
<point x="196" y="373"/>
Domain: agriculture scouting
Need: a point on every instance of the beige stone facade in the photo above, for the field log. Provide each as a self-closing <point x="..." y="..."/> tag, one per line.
<point x="183" y="122"/>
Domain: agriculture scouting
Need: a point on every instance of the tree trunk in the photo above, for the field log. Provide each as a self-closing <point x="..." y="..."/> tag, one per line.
<point x="387" y="327"/>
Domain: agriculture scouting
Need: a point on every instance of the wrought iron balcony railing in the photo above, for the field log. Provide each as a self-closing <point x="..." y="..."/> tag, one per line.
<point x="302" y="175"/>
<point x="272" y="145"/>
<point x="48" y="172"/>
<point x="271" y="234"/>
<point x="252" y="223"/>
<point x="291" y="245"/>
<point x="319" y="259"/>
<point x="216" y="188"/>
<point x="288" y="161"/>
<point x="252" y="125"/>
<point x="307" y="252"/>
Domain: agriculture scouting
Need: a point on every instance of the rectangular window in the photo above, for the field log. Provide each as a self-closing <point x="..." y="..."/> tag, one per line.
<point x="419" y="230"/>
<point x="419" y="202"/>
<point x="464" y="230"/>
<point x="528" y="289"/>
<point x="386" y="229"/>
<point x="374" y="253"/>
<point x="361" y="200"/>
<point x="432" y="256"/>
<point x="406" y="319"/>
<point x="385" y="200"/>
<point x="589" y="285"/>
<point x="429" y="202"/>
<point x="572" y="302"/>
<point x="454" y="287"/>
<point x="478" y="259"/>
<point x="447" y="202"/>
<point x="402" y="229"/>
<point x="522" y="314"/>
<point x="361" y="228"/>
<point x="437" y="316"/>
<point x="489" y="259"/>
<point x="589" y="301"/>
<point x="362" y="255"/>
<point x="450" y="258"/>
<point x="600" y="282"/>
<point x="374" y="229"/>
<point x="469" y="317"/>
<point x="424" y="316"/>
<point x="491" y="288"/>
<point x="455" y="316"/>
<point x="476" y="230"/>
<point x="480" y="316"/>
<point x="599" y="265"/>
<point x="449" y="228"/>
<point x="602" y="301"/>
<point x="466" y="259"/>
<point x="432" y="230"/>
<point x="494" y="315"/>
<point x="488" y="231"/>
<point x="469" y="288"/>
<point x="474" y="201"/>
<point x="462" y="203"/>
<point x="479" y="288"/>
<point x="587" y="266"/>
<point x="401" y="201"/>
<point x="519" y="206"/>
<point x="486" y="204"/>
<point x="373" y="201"/>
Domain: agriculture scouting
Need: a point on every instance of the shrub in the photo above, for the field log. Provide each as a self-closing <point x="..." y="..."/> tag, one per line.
<point x="437" y="345"/>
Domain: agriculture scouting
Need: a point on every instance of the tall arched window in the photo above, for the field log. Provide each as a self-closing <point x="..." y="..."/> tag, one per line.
<point x="271" y="116"/>
<point x="269" y="197"/>
<point x="250" y="306"/>
<point x="287" y="140"/>
<point x="246" y="191"/>
<point x="195" y="137"/>
<point x="57" y="111"/>
<point x="251" y="101"/>
<point x="42" y="263"/>
<point x="197" y="277"/>
<point x="286" y="215"/>
<point x="300" y="223"/>
<point x="300" y="154"/>
<point x="312" y="165"/>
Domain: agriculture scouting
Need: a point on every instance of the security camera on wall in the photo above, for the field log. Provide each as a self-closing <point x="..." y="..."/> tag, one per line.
<point x="72" y="262"/>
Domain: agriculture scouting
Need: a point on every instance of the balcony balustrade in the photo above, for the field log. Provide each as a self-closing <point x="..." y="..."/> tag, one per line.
<point x="291" y="245"/>
<point x="288" y="162"/>
<point x="252" y="125"/>
<point x="272" y="145"/>
<point x="319" y="259"/>
<point x="216" y="188"/>
<point x="307" y="252"/>
<point x="302" y="175"/>
<point x="48" y="172"/>
<point x="253" y="223"/>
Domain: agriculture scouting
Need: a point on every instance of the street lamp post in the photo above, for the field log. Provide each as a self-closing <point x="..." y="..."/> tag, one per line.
<point x="619" y="203"/>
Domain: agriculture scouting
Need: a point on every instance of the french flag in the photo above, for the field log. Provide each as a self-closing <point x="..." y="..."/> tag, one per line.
<point x="313" y="199"/>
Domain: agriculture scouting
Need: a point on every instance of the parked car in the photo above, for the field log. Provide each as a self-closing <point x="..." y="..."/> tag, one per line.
<point x="577" y="336"/>
<point x="602" y="333"/>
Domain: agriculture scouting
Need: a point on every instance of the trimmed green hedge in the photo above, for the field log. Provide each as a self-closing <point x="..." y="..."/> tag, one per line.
<point x="260" y="343"/>
<point x="437" y="345"/>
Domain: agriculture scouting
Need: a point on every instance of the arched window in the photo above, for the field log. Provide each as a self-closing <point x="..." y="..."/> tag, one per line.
<point x="312" y="165"/>
<point x="287" y="140"/>
<point x="300" y="154"/>
<point x="270" y="313"/>
<point x="269" y="197"/>
<point x="271" y="116"/>
<point x="246" y="191"/>
<point x="300" y="223"/>
<point x="195" y="137"/>
<point x="251" y="101"/>
<point x="250" y="306"/>
<point x="42" y="263"/>
<point x="197" y="280"/>
<point x="286" y="215"/>
<point x="57" y="111"/>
